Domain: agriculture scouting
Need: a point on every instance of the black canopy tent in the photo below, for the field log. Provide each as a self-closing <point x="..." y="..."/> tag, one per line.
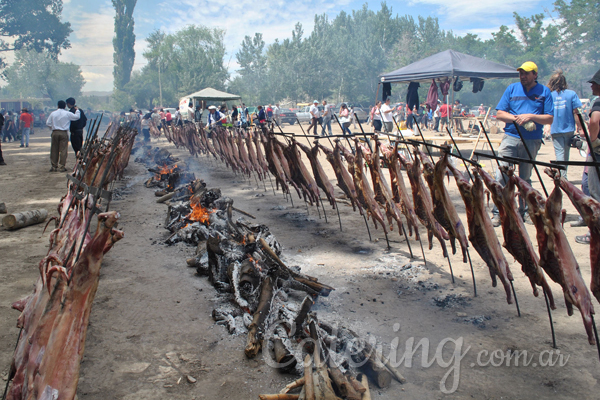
<point x="446" y="65"/>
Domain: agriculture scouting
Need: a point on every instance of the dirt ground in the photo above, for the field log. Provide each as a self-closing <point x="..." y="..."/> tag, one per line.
<point x="151" y="324"/>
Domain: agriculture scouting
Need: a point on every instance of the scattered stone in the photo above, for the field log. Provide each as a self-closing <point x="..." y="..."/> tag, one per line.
<point x="461" y="314"/>
<point x="191" y="379"/>
<point x="3" y="208"/>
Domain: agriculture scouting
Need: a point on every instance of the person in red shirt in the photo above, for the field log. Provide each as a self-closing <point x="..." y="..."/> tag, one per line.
<point x="168" y="117"/>
<point x="26" y="124"/>
<point x="445" y="110"/>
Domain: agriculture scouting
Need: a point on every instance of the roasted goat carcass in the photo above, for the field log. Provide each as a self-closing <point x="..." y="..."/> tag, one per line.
<point x="399" y="190"/>
<point x="320" y="176"/>
<point x="516" y="239"/>
<point x="365" y="194"/>
<point x="382" y="189"/>
<point x="423" y="203"/>
<point x="481" y="232"/>
<point x="444" y="210"/>
<point x="556" y="257"/>
<point x="344" y="178"/>
<point x="589" y="209"/>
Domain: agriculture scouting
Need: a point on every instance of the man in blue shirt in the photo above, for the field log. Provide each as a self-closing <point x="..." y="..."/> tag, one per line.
<point x="566" y="103"/>
<point x="529" y="105"/>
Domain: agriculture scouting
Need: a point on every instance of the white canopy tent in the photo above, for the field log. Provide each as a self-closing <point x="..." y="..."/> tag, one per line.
<point x="202" y="97"/>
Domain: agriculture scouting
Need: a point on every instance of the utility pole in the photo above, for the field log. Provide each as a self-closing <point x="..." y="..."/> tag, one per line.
<point x="159" y="85"/>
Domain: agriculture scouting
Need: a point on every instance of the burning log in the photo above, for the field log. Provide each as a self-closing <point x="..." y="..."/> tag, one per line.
<point x="23" y="219"/>
<point x="253" y="344"/>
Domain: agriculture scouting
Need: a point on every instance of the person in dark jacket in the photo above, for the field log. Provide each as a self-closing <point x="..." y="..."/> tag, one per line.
<point x="76" y="126"/>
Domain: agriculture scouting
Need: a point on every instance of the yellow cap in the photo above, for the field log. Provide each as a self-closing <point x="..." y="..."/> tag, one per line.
<point x="528" y="66"/>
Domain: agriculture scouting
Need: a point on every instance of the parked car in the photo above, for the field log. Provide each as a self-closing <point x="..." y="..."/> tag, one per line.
<point x="304" y="114"/>
<point x="287" y="116"/>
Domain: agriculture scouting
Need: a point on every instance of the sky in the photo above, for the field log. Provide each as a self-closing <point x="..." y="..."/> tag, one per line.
<point x="92" y="22"/>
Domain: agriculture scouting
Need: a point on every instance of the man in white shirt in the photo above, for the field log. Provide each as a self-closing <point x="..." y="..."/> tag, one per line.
<point x="436" y="117"/>
<point x="177" y="117"/>
<point x="386" y="116"/>
<point x="327" y="116"/>
<point x="60" y="122"/>
<point x="215" y="117"/>
<point x="276" y="112"/>
<point x="315" y="114"/>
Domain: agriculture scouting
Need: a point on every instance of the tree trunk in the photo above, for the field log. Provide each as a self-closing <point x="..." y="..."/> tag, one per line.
<point x="23" y="219"/>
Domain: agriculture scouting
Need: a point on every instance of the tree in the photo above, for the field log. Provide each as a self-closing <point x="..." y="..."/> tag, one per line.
<point x="187" y="61"/>
<point x="123" y="42"/>
<point x="38" y="75"/>
<point x="33" y="25"/>
<point x="253" y="67"/>
<point x="580" y="28"/>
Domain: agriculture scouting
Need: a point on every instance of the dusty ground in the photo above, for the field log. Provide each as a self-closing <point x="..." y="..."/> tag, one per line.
<point x="151" y="323"/>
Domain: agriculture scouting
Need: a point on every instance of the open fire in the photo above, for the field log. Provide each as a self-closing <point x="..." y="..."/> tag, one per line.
<point x="199" y="212"/>
<point x="265" y="299"/>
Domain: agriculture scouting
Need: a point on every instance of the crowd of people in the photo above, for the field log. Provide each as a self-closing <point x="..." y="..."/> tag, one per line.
<point x="530" y="111"/>
<point x="388" y="117"/>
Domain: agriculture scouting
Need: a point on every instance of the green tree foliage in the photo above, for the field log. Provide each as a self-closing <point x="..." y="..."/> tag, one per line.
<point x="123" y="42"/>
<point x="253" y="67"/>
<point x="342" y="57"/>
<point x="33" y="25"/>
<point x="38" y="75"/>
<point x="187" y="61"/>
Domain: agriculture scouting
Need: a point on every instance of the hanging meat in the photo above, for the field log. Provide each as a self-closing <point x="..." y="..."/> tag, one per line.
<point x="259" y="152"/>
<point x="365" y="194"/>
<point x="318" y="172"/>
<point x="423" y="203"/>
<point x="245" y="159"/>
<point x="481" y="232"/>
<point x="399" y="188"/>
<point x="385" y="197"/>
<point x="556" y="255"/>
<point x="300" y="174"/>
<point x="344" y="179"/>
<point x="278" y="152"/>
<point x="516" y="239"/>
<point x="444" y="210"/>
<point x="274" y="164"/>
<point x="253" y="157"/>
<point x="589" y="209"/>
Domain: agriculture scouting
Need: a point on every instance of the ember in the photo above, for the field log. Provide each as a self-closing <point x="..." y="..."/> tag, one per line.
<point x="199" y="213"/>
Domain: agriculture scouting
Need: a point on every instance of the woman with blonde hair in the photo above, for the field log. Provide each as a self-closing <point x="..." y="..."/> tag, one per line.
<point x="566" y="104"/>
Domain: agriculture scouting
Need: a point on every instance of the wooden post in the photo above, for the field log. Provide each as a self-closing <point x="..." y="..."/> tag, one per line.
<point x="23" y="219"/>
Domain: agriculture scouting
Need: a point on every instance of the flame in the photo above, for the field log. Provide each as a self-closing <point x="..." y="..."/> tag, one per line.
<point x="199" y="213"/>
<point x="166" y="170"/>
